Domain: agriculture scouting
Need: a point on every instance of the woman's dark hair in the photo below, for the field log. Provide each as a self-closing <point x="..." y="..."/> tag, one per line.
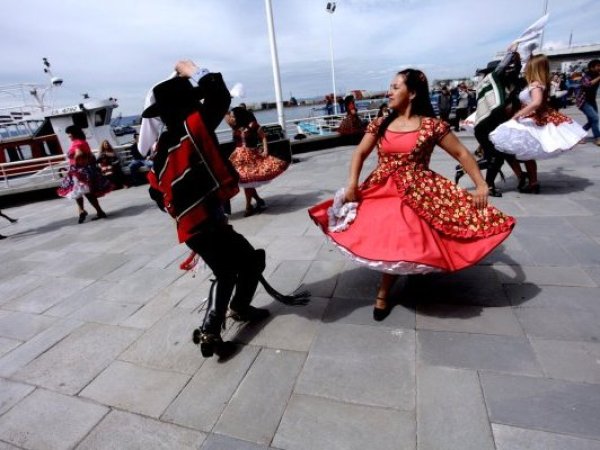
<point x="75" y="131"/>
<point x="242" y="116"/>
<point x="416" y="82"/>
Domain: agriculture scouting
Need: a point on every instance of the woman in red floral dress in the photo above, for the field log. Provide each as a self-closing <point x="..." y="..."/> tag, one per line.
<point x="254" y="165"/>
<point x="409" y="219"/>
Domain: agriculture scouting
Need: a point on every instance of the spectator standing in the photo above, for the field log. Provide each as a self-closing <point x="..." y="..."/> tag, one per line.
<point x="462" y="108"/>
<point x="444" y="104"/>
<point x="586" y="98"/>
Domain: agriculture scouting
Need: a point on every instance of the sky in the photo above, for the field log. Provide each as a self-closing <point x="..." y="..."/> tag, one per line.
<point x="119" y="49"/>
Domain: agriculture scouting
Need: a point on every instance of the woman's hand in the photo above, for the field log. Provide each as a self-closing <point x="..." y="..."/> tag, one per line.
<point x="480" y="196"/>
<point x="351" y="194"/>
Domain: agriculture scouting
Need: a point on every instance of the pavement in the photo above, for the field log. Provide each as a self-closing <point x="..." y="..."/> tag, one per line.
<point x="96" y="322"/>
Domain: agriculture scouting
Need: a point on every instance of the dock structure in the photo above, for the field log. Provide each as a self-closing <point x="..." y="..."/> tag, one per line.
<point x="96" y="323"/>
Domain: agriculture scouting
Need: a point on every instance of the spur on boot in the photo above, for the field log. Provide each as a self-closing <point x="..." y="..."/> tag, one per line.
<point x="381" y="313"/>
<point x="250" y="314"/>
<point x="212" y="344"/>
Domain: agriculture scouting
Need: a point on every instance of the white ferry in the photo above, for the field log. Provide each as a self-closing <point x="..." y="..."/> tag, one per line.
<point x="33" y="142"/>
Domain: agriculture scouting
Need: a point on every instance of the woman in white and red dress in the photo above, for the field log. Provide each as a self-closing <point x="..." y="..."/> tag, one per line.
<point x="83" y="179"/>
<point x="536" y="131"/>
<point x="253" y="164"/>
<point x="410" y="219"/>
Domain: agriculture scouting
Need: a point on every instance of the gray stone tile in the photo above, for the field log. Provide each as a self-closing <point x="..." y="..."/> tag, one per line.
<point x="322" y="277"/>
<point x="294" y="247"/>
<point x="136" y="389"/>
<point x="14" y="287"/>
<point x="511" y="438"/>
<point x="23" y="326"/>
<point x="316" y="423"/>
<point x="569" y="360"/>
<point x="142" y="285"/>
<point x="584" y="249"/>
<point x="5" y="446"/>
<point x="68" y="305"/>
<point x="477" y="286"/>
<point x="19" y="357"/>
<point x="11" y="393"/>
<point x="168" y="344"/>
<point x="560" y="323"/>
<point x="346" y="358"/>
<point x="47" y="420"/>
<point x="254" y="412"/>
<point x="110" y="313"/>
<point x="360" y="312"/>
<point x="357" y="282"/>
<point x="130" y="431"/>
<point x="6" y="345"/>
<point x="468" y="319"/>
<point x="97" y="266"/>
<point x="550" y="405"/>
<point x="451" y="411"/>
<point x="477" y="351"/>
<point x="288" y="328"/>
<point x="153" y="311"/>
<point x="201" y="402"/>
<point x="529" y="296"/>
<point x="46" y="296"/>
<point x="220" y="442"/>
<point x="544" y="251"/>
<point x="547" y="276"/>
<point x="71" y="364"/>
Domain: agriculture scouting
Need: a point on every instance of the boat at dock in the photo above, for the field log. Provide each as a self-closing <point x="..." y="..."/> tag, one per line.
<point x="33" y="142"/>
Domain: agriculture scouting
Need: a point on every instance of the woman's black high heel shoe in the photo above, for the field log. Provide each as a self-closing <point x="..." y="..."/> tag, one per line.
<point x="523" y="179"/>
<point x="381" y="313"/>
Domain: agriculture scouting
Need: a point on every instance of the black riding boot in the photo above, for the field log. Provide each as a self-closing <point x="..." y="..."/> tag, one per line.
<point x="246" y="285"/>
<point x="210" y="332"/>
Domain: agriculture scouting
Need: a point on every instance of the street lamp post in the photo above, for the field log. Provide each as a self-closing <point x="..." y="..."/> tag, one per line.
<point x="331" y="9"/>
<point x="275" y="64"/>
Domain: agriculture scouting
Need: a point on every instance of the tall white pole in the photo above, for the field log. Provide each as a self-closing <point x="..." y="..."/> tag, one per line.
<point x="335" y="103"/>
<point x="275" y="64"/>
<point x="542" y="35"/>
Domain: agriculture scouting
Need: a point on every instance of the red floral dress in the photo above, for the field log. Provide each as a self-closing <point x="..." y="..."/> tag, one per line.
<point x="83" y="177"/>
<point x="411" y="219"/>
<point x="254" y="168"/>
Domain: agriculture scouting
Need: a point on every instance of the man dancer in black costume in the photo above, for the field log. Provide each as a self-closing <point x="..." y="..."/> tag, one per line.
<point x="497" y="98"/>
<point x="192" y="181"/>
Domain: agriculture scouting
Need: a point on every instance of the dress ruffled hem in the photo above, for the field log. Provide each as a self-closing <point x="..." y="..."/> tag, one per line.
<point x="527" y="140"/>
<point x="392" y="267"/>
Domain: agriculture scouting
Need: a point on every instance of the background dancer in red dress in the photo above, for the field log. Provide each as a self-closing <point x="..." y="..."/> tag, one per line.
<point x="410" y="219"/>
<point x="251" y="157"/>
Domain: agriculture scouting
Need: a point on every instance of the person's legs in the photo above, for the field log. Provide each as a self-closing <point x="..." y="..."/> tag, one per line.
<point x="249" y="193"/>
<point x="100" y="214"/>
<point x="235" y="263"/>
<point x="533" y="187"/>
<point x="516" y="168"/>
<point x="82" y="212"/>
<point x="494" y="158"/>
<point x="592" y="116"/>
<point x="382" y="306"/>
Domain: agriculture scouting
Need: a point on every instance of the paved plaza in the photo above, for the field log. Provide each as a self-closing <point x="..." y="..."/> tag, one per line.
<point x="96" y="322"/>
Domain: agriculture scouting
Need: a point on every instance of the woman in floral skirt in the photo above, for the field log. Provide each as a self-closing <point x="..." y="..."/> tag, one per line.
<point x="408" y="219"/>
<point x="251" y="158"/>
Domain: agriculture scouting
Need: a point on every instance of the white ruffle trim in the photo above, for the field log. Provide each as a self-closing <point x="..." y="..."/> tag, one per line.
<point x="526" y="140"/>
<point x="341" y="214"/>
<point x="397" y="267"/>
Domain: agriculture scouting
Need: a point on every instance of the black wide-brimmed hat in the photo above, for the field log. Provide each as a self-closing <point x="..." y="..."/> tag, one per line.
<point x="171" y="97"/>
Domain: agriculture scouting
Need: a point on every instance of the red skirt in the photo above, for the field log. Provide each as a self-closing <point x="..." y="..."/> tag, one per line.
<point x="389" y="236"/>
<point x="254" y="168"/>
